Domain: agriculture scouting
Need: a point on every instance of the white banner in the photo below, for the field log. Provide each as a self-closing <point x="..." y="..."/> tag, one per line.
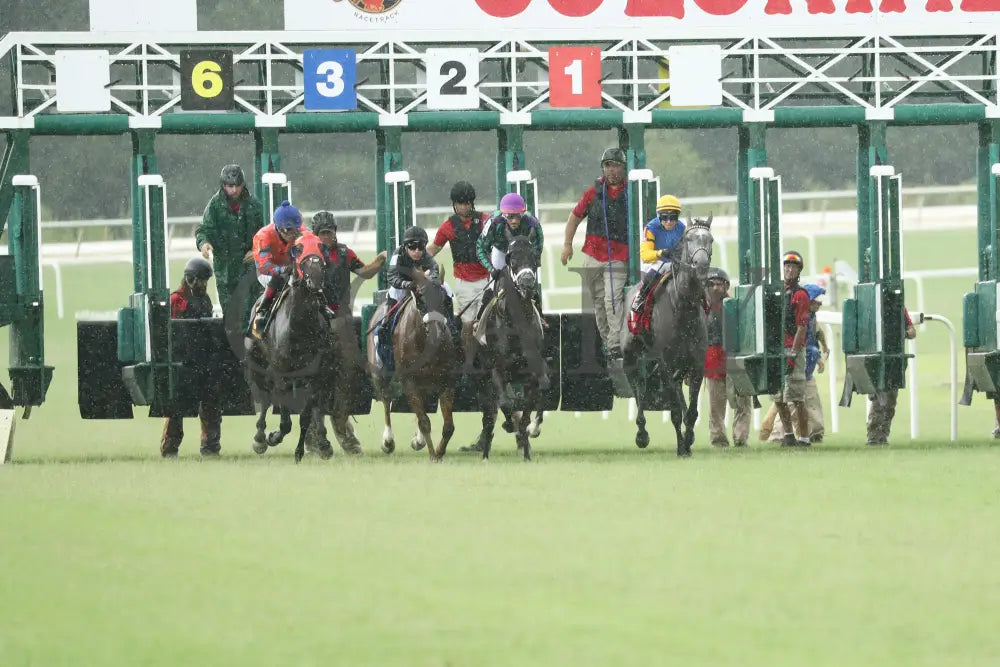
<point x="580" y="20"/>
<point x="136" y="15"/>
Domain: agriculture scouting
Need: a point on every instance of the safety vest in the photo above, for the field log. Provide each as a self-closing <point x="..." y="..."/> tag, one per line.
<point x="463" y="246"/>
<point x="790" y="326"/>
<point x="617" y="215"/>
<point x="195" y="307"/>
<point x="338" y="276"/>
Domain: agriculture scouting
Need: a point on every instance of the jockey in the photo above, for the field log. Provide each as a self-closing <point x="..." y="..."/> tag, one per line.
<point x="341" y="261"/>
<point x="271" y="252"/>
<point x="492" y="244"/>
<point x="411" y="256"/>
<point x="661" y="236"/>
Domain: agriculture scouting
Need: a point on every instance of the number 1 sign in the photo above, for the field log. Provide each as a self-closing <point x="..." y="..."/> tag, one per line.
<point x="575" y="76"/>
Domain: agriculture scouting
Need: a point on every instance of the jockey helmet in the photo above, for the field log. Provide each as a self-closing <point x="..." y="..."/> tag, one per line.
<point x="792" y="257"/>
<point x="232" y="174"/>
<point x="512" y="203"/>
<point x="198" y="268"/>
<point x="613" y="155"/>
<point x="323" y="221"/>
<point x="463" y="193"/>
<point x="716" y="273"/>
<point x="287" y="217"/>
<point x="415" y="236"/>
<point x="668" y="203"/>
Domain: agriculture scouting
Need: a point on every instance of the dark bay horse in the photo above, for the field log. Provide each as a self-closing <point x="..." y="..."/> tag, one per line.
<point x="677" y="339"/>
<point x="285" y="367"/>
<point x="514" y="353"/>
<point x="427" y="361"/>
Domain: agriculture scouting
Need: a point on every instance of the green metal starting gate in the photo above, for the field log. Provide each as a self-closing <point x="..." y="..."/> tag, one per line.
<point x="981" y="308"/>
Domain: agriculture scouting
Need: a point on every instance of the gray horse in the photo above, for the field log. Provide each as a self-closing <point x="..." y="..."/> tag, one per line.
<point x="674" y="348"/>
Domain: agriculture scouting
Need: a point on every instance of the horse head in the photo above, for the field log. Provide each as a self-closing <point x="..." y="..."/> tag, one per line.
<point x="310" y="266"/>
<point x="696" y="247"/>
<point x="522" y="262"/>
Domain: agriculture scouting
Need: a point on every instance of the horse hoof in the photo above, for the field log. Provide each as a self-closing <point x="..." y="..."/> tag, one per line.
<point x="388" y="446"/>
<point x="534" y="431"/>
<point x="417" y="444"/>
<point x="274" y="438"/>
<point x="260" y="446"/>
<point x="354" y="449"/>
<point x="325" y="451"/>
<point x="508" y="426"/>
<point x="684" y="453"/>
<point x="642" y="440"/>
<point x="298" y="456"/>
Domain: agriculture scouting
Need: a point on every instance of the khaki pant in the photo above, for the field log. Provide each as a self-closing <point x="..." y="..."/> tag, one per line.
<point x="881" y="414"/>
<point x="598" y="279"/>
<point x="721" y="393"/>
<point x="771" y="427"/>
<point x="210" y="415"/>
<point x="793" y="386"/>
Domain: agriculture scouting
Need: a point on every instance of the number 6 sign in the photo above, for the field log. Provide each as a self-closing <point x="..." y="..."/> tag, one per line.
<point x="328" y="77"/>
<point x="206" y="80"/>
<point x="574" y="76"/>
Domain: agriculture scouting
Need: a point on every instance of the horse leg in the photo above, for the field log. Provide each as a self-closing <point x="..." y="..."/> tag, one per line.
<point x="535" y="429"/>
<point x="691" y="414"/>
<point x="523" y="443"/>
<point x="423" y="435"/>
<point x="638" y="389"/>
<point x="447" y="403"/>
<point x="388" y="441"/>
<point x="677" y="415"/>
<point x="305" y="421"/>
<point x="341" y="421"/>
<point x="260" y="437"/>
<point x="284" y="428"/>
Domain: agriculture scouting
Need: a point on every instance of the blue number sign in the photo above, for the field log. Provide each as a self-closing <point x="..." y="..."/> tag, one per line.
<point x="329" y="78"/>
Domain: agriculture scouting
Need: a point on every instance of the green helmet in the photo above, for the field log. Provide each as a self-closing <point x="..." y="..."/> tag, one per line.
<point x="232" y="174"/>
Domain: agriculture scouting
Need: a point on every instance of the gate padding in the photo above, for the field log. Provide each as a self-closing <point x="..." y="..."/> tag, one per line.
<point x="101" y="394"/>
<point x="586" y="386"/>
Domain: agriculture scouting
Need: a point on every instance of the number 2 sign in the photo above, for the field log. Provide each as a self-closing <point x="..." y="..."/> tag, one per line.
<point x="575" y="76"/>
<point x="451" y="78"/>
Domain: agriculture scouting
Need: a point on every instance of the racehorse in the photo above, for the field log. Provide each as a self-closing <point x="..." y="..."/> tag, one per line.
<point x="285" y="367"/>
<point x="676" y="343"/>
<point x="514" y="351"/>
<point x="426" y="363"/>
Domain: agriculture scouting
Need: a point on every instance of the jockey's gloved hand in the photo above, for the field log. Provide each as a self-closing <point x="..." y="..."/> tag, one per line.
<point x="497" y="273"/>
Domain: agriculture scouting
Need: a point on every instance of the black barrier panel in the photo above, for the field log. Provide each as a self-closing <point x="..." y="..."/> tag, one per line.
<point x="467" y="392"/>
<point x="586" y="386"/>
<point x="362" y="391"/>
<point x="208" y="368"/>
<point x="101" y="394"/>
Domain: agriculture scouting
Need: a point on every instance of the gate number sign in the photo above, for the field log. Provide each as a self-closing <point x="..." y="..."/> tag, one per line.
<point x="207" y="80"/>
<point x="329" y="77"/>
<point x="452" y="75"/>
<point x="574" y="76"/>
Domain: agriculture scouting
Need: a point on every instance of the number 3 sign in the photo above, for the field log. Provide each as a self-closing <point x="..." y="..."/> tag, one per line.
<point x="206" y="80"/>
<point x="328" y="79"/>
<point x="574" y="76"/>
<point x="451" y="78"/>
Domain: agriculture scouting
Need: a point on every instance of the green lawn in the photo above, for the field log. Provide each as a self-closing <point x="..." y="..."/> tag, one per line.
<point x="594" y="553"/>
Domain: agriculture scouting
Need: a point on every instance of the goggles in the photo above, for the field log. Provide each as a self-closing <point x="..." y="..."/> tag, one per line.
<point x="669" y="215"/>
<point x="414" y="245"/>
<point x="513" y="216"/>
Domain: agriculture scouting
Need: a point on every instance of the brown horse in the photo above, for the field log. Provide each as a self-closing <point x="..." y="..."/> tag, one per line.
<point x="426" y="363"/>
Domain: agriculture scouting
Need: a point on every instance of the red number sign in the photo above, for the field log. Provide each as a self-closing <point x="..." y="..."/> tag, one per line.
<point x="575" y="76"/>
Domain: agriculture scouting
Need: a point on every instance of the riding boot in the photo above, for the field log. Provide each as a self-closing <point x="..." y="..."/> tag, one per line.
<point x="640" y="299"/>
<point x="384" y="332"/>
<point x="263" y="313"/>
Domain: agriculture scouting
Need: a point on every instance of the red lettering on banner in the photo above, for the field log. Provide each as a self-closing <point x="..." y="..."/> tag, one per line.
<point x="778" y="7"/>
<point x="575" y="7"/>
<point x="813" y="6"/>
<point x="655" y="8"/>
<point x="721" y="7"/>
<point x="939" y="5"/>
<point x="892" y="6"/>
<point x="859" y="6"/>
<point x="502" y="9"/>
<point x="981" y="5"/>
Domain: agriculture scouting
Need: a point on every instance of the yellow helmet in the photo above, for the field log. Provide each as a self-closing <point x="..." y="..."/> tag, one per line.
<point x="668" y="203"/>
